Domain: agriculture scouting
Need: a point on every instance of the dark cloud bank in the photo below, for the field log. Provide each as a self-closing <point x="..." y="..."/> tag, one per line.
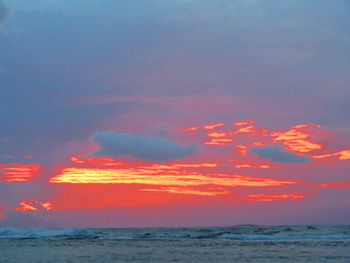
<point x="277" y="154"/>
<point x="145" y="147"/>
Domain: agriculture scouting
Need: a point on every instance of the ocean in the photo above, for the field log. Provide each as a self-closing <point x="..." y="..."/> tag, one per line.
<point x="242" y="243"/>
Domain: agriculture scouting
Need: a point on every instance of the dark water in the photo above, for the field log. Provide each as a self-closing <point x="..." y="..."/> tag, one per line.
<point x="245" y="243"/>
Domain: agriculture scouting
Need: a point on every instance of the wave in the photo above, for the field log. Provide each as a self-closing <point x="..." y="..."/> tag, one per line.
<point x="296" y="237"/>
<point x="249" y="233"/>
<point x="46" y="233"/>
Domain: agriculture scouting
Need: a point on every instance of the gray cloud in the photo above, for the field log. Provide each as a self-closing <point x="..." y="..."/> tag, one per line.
<point x="4" y="11"/>
<point x="277" y="154"/>
<point x="146" y="147"/>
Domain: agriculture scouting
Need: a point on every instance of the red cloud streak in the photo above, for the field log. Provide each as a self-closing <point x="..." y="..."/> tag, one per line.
<point x="18" y="172"/>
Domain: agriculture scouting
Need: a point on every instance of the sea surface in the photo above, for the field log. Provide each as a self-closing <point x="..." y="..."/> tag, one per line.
<point x="242" y="243"/>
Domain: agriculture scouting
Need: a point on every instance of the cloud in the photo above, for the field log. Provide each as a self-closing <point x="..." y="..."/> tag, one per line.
<point x="277" y="154"/>
<point x="145" y="147"/>
<point x="4" y="11"/>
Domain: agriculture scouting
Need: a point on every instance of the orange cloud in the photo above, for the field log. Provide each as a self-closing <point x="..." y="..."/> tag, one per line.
<point x="339" y="185"/>
<point x="97" y="160"/>
<point x="297" y="138"/>
<point x="242" y="123"/>
<point x="33" y="206"/>
<point x="147" y="183"/>
<point x="196" y="179"/>
<point x="242" y="149"/>
<point x="204" y="127"/>
<point x="186" y="191"/>
<point x="217" y="141"/>
<point x="273" y="197"/>
<point x="251" y="130"/>
<point x="219" y="134"/>
<point x="252" y="166"/>
<point x="75" y="175"/>
<point x="181" y="165"/>
<point x="18" y="172"/>
<point x="341" y="155"/>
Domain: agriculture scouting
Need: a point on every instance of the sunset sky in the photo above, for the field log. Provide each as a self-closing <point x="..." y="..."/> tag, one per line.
<point x="174" y="113"/>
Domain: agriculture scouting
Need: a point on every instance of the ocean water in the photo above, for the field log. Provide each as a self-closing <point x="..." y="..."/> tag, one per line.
<point x="243" y="243"/>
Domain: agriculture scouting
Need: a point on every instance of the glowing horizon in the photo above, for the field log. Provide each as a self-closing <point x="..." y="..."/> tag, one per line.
<point x="211" y="178"/>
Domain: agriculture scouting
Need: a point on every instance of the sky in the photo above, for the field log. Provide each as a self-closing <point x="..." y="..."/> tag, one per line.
<point x="174" y="113"/>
